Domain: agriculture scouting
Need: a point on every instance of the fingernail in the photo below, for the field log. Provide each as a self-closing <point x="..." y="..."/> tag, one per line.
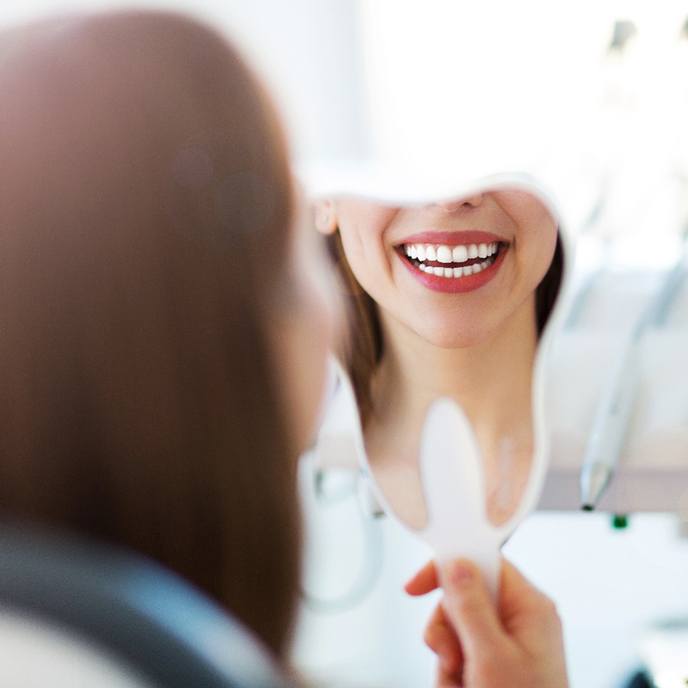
<point x="461" y="573"/>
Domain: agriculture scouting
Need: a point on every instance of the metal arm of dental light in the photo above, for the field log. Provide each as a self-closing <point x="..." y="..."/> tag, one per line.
<point x="613" y="414"/>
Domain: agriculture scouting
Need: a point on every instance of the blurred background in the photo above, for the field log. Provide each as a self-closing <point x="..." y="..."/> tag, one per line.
<point x="575" y="91"/>
<point x="590" y="97"/>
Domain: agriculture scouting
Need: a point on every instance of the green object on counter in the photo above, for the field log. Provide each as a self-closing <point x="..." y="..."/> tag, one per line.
<point x="619" y="521"/>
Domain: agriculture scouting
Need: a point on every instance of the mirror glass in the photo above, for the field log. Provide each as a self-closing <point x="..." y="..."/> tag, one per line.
<point x="446" y="299"/>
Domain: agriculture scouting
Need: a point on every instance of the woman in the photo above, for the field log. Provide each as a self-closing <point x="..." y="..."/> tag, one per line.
<point x="473" y="336"/>
<point x="449" y="299"/>
<point x="159" y="370"/>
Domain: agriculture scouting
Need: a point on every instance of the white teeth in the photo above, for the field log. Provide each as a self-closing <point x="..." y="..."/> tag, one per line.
<point x="464" y="271"/>
<point x="450" y="254"/>
<point x="444" y="254"/>
<point x="460" y="254"/>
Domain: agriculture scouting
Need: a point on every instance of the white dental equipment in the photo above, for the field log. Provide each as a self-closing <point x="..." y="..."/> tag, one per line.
<point x="613" y="414"/>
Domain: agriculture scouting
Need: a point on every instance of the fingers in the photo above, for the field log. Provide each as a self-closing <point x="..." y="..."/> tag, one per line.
<point x="512" y="579"/>
<point x="442" y="640"/>
<point x="424" y="581"/>
<point x="520" y="599"/>
<point x="469" y="608"/>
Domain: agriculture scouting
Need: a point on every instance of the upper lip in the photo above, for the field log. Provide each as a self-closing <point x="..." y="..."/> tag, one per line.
<point x="455" y="238"/>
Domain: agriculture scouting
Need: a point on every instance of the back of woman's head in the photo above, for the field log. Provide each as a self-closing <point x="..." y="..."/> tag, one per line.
<point x="144" y="213"/>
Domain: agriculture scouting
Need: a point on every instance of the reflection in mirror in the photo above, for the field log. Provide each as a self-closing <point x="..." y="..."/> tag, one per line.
<point x="448" y="299"/>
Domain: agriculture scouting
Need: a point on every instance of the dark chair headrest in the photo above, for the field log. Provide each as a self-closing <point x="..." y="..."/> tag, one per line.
<point x="156" y="623"/>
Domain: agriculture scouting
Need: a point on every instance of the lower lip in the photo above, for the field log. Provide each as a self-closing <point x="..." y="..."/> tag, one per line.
<point x="457" y="285"/>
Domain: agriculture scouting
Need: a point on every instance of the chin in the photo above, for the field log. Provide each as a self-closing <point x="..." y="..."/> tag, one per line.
<point x="454" y="336"/>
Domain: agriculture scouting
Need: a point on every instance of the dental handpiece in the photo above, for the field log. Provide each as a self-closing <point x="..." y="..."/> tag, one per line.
<point x="608" y="433"/>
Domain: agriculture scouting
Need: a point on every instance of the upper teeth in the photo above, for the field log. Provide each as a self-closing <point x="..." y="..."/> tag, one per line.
<point x="450" y="254"/>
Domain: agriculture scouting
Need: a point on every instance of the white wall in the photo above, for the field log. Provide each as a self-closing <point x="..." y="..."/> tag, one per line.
<point x="303" y="48"/>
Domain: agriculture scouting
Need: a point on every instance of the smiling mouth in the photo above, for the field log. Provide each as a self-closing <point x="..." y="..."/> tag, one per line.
<point x="452" y="262"/>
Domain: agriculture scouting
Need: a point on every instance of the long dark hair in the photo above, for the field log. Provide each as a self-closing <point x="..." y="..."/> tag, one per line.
<point x="144" y="180"/>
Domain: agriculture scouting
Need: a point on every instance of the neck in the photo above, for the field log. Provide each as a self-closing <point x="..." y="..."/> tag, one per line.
<point x="491" y="380"/>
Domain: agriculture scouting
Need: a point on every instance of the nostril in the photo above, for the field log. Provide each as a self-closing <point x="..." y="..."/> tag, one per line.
<point x="453" y="206"/>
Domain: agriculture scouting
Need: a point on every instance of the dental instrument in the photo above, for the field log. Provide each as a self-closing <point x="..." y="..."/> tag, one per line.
<point x="615" y="407"/>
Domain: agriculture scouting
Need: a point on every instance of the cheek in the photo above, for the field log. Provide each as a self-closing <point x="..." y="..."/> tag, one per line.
<point x="361" y="255"/>
<point x="363" y="241"/>
<point x="540" y="256"/>
<point x="536" y="242"/>
<point x="536" y="233"/>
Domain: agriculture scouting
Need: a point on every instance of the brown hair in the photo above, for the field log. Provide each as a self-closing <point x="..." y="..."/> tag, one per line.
<point x="144" y="179"/>
<point x="363" y="345"/>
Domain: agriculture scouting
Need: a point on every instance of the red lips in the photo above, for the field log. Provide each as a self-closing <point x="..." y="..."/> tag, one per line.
<point x="454" y="285"/>
<point x="454" y="238"/>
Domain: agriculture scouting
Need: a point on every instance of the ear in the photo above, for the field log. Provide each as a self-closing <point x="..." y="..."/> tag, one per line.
<point x="325" y="216"/>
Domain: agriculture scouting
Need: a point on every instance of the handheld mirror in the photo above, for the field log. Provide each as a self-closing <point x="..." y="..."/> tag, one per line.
<point x="441" y="390"/>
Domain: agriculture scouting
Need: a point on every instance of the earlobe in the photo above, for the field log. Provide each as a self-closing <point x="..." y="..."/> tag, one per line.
<point x="325" y="217"/>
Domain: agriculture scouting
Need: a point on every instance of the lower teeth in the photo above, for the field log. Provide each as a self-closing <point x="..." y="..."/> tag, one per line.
<point x="455" y="273"/>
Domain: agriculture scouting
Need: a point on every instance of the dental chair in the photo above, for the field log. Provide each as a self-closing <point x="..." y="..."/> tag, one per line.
<point x="79" y="615"/>
<point x="639" y="680"/>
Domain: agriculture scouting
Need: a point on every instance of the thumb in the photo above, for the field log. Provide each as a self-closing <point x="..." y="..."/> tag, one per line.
<point x="469" y="608"/>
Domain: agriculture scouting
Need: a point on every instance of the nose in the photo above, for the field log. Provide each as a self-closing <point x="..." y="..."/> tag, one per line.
<point x="468" y="202"/>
